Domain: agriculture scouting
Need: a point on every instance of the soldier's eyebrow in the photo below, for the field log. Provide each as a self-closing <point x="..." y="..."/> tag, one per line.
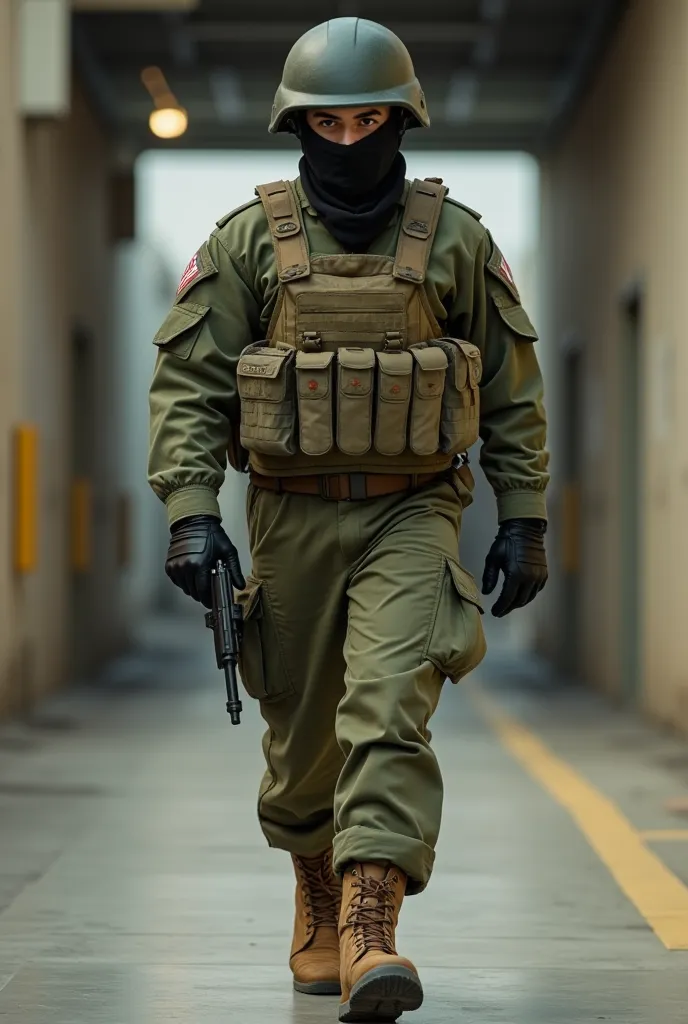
<point x="335" y="117"/>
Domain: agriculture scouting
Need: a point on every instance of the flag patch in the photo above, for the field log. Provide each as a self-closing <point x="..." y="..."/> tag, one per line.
<point x="505" y="271"/>
<point x="191" y="272"/>
<point x="499" y="267"/>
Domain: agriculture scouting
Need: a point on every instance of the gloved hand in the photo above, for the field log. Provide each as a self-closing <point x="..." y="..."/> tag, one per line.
<point x="519" y="551"/>
<point x="196" y="544"/>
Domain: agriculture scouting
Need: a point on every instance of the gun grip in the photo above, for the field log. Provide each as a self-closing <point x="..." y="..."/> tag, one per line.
<point x="210" y="620"/>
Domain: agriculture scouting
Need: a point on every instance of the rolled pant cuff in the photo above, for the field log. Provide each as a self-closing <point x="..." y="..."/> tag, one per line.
<point x="370" y="845"/>
<point x="302" y="844"/>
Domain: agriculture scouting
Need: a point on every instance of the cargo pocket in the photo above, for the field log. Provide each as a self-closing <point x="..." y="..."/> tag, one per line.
<point x="426" y="407"/>
<point x="265" y="379"/>
<point x="261" y="664"/>
<point x="459" y="428"/>
<point x="314" y="390"/>
<point x="394" y="374"/>
<point x="181" y="328"/>
<point x="457" y="641"/>
<point x="355" y="368"/>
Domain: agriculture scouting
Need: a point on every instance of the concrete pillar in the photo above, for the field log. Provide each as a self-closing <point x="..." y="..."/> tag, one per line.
<point x="10" y="338"/>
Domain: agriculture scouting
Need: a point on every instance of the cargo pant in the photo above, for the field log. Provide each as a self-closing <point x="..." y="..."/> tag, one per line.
<point x="355" y="613"/>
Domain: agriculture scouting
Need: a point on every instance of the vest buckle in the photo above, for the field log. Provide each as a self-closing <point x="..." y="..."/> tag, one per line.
<point x="297" y="270"/>
<point x="312" y="341"/>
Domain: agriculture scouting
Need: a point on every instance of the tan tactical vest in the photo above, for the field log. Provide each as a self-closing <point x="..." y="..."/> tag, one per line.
<point x="354" y="375"/>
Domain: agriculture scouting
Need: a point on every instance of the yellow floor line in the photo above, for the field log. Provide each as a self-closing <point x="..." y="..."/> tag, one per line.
<point x="656" y="892"/>
<point x="665" y="835"/>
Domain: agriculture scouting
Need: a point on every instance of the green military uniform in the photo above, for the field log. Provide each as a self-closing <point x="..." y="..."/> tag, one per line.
<point x="355" y="611"/>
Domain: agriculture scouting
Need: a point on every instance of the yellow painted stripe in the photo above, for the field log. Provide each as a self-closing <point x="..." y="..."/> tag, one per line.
<point x="665" y="835"/>
<point x="26" y="498"/>
<point x="656" y="892"/>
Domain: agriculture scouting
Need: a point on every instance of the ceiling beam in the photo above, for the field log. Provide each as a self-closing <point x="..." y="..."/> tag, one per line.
<point x="134" y="6"/>
<point x="438" y="33"/>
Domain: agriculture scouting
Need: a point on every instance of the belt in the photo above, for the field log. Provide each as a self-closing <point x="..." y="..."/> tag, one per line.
<point x="343" y="486"/>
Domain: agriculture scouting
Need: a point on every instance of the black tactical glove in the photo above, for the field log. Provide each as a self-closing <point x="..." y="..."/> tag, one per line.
<point x="196" y="544"/>
<point x="519" y="551"/>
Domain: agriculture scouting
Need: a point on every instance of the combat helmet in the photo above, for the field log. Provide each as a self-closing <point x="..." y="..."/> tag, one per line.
<point x="348" y="62"/>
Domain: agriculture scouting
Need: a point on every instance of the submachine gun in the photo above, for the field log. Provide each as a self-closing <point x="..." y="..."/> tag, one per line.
<point x="225" y="620"/>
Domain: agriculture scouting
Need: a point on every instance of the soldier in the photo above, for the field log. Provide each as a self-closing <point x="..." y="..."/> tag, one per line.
<point x="347" y="336"/>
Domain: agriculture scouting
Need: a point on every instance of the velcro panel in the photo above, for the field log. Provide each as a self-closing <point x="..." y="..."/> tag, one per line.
<point x="258" y="365"/>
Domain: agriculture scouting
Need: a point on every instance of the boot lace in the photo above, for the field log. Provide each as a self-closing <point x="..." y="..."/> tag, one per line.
<point x="372" y="914"/>
<point x="320" y="895"/>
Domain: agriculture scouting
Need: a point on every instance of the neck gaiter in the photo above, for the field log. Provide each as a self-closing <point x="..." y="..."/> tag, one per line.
<point x="353" y="188"/>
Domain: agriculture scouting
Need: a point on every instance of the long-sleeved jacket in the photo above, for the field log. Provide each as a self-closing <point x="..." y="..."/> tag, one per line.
<point x="228" y="299"/>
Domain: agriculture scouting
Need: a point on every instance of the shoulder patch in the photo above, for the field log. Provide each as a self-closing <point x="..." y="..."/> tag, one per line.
<point x="455" y="202"/>
<point x="228" y="216"/>
<point x="499" y="268"/>
<point x="200" y="265"/>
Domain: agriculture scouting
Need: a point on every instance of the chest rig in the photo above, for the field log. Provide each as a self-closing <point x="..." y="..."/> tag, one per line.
<point x="355" y="375"/>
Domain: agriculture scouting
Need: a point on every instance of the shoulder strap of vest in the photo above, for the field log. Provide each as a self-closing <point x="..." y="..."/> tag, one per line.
<point x="421" y="216"/>
<point x="283" y="212"/>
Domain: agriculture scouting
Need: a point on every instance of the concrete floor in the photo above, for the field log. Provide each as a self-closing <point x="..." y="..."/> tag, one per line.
<point x="135" y="886"/>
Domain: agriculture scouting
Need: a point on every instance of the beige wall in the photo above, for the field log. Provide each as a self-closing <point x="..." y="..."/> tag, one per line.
<point x="55" y="277"/>
<point x="74" y="621"/>
<point x="615" y="212"/>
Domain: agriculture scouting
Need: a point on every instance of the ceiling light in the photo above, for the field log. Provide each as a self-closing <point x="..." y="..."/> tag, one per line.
<point x="168" y="122"/>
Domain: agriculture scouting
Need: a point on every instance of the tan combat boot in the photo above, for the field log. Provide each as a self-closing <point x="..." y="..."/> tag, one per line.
<point x="314" y="956"/>
<point x="377" y="984"/>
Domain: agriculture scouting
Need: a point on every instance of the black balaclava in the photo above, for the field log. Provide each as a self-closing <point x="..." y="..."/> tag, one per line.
<point x="354" y="188"/>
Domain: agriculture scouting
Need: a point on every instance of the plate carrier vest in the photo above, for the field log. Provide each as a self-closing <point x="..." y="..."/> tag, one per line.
<point x="355" y="374"/>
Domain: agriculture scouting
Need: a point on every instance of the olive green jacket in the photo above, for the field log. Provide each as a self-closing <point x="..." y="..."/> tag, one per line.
<point x="228" y="304"/>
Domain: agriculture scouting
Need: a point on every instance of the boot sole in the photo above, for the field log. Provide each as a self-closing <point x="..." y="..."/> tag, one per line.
<point x="318" y="988"/>
<point x="381" y="996"/>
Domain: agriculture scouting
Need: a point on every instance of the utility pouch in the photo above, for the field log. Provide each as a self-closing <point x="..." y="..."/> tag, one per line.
<point x="265" y="379"/>
<point x="355" y="369"/>
<point x="430" y="369"/>
<point x="314" y="391"/>
<point x="394" y="376"/>
<point x="461" y="397"/>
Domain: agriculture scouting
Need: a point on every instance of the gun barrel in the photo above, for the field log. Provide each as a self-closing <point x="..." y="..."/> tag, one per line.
<point x="225" y="617"/>
<point x="233" y="703"/>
